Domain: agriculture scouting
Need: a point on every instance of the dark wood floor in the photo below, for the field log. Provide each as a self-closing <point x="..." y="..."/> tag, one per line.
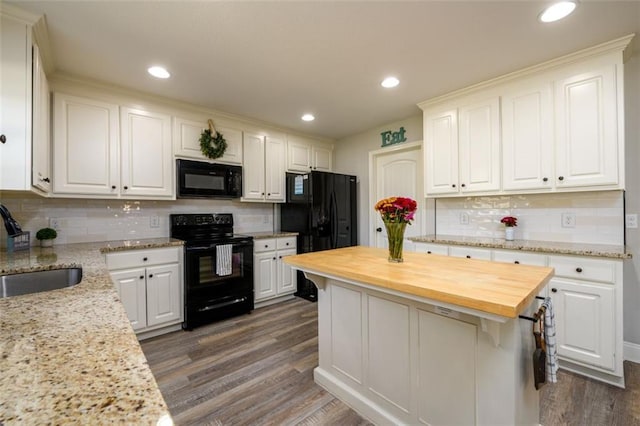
<point x="258" y="370"/>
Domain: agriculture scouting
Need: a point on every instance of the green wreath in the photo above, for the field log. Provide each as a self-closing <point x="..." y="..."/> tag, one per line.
<point x="212" y="143"/>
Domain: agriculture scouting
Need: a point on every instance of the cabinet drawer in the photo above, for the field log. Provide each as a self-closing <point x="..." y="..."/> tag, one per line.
<point x="520" y="257"/>
<point x="432" y="248"/>
<point x="286" y="243"/>
<point x="137" y="258"/>
<point x="470" y="253"/>
<point x="261" y="245"/>
<point x="584" y="269"/>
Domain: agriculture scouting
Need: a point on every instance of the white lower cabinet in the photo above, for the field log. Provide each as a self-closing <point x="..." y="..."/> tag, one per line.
<point x="587" y="299"/>
<point x="149" y="283"/>
<point x="272" y="277"/>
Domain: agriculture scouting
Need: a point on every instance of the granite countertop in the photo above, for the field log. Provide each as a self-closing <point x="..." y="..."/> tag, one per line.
<point x="70" y="355"/>
<point x="551" y="247"/>
<point x="263" y="235"/>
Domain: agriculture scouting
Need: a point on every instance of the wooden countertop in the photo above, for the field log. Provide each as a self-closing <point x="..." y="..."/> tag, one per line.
<point x="501" y="289"/>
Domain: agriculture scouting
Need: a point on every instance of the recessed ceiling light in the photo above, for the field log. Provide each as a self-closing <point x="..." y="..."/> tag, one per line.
<point x="557" y="11"/>
<point x="308" y="117"/>
<point x="390" y="82"/>
<point x="159" y="72"/>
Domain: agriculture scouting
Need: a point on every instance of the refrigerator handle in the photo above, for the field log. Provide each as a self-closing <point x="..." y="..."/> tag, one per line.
<point x="334" y="220"/>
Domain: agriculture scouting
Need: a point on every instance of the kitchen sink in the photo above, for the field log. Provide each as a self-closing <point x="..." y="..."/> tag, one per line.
<point x="35" y="282"/>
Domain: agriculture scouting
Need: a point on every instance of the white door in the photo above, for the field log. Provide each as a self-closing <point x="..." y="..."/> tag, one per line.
<point x="131" y="285"/>
<point x="275" y="157"/>
<point x="396" y="172"/>
<point x="163" y="294"/>
<point x="253" y="170"/>
<point x="441" y="152"/>
<point x="41" y="155"/>
<point x="147" y="160"/>
<point x="299" y="155"/>
<point x="264" y="277"/>
<point x="322" y="158"/>
<point x="287" y="281"/>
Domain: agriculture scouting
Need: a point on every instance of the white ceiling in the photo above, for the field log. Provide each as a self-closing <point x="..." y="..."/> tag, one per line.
<point x="275" y="60"/>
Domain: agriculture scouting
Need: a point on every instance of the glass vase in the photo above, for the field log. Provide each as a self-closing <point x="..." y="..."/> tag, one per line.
<point x="509" y="233"/>
<point x="395" y="237"/>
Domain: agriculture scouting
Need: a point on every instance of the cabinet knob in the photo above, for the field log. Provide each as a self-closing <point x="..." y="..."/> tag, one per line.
<point x="544" y="179"/>
<point x="554" y="290"/>
<point x="453" y="185"/>
<point x="517" y="262"/>
<point x="266" y="246"/>
<point x="46" y="180"/>
<point x="150" y="275"/>
<point x="378" y="229"/>
<point x="126" y="187"/>
<point x="144" y="259"/>
<point x="286" y="244"/>
<point x="428" y="251"/>
<point x="468" y="257"/>
<point x="269" y="194"/>
<point x="113" y="187"/>
<point x="578" y="269"/>
<point x="3" y="139"/>
<point x="463" y="185"/>
<point x="274" y="258"/>
<point x="560" y="177"/>
<point x="279" y="257"/>
<point x="263" y="193"/>
<point x="142" y="277"/>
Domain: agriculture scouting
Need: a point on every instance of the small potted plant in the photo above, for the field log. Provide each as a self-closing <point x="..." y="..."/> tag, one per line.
<point x="46" y="236"/>
<point x="510" y="222"/>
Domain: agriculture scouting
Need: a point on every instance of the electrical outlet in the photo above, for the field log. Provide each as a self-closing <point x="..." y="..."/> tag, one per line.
<point x="54" y="223"/>
<point x="154" y="221"/>
<point x="568" y="220"/>
<point x="464" y="219"/>
<point x="631" y="220"/>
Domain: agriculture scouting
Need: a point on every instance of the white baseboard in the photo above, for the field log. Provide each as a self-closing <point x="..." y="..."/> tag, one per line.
<point x="631" y="352"/>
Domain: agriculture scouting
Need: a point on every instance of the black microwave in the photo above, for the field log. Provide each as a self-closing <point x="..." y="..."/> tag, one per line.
<point x="199" y="179"/>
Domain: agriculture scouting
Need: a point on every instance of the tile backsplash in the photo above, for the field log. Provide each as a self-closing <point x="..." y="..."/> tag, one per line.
<point x="599" y="216"/>
<point x="82" y="220"/>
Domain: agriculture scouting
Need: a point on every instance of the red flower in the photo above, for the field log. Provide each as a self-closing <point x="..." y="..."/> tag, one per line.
<point x="397" y="209"/>
<point x="509" y="221"/>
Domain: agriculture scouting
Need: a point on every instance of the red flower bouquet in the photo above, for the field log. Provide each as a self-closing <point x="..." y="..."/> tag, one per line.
<point x="509" y="221"/>
<point x="397" y="209"/>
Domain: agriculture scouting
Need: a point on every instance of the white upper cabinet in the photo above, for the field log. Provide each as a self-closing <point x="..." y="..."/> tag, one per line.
<point x="462" y="148"/>
<point x="263" y="172"/>
<point x="479" y="146"/>
<point x="105" y="151"/>
<point x="441" y="151"/>
<point x="15" y="102"/>
<point x="304" y="155"/>
<point x="41" y="156"/>
<point x="587" y="143"/>
<point x="186" y="139"/>
<point x="527" y="136"/>
<point x="146" y="158"/>
<point x="85" y="146"/>
<point x="554" y="127"/>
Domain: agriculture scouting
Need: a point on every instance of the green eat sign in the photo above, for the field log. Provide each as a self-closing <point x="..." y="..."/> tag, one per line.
<point x="390" y="138"/>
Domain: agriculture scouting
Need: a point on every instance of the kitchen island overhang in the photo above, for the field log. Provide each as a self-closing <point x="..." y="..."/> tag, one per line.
<point x="431" y="340"/>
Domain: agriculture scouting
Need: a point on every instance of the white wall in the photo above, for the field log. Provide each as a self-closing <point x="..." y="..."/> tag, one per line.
<point x="352" y="157"/>
<point x="105" y="220"/>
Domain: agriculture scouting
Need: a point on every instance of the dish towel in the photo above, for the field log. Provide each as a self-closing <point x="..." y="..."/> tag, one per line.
<point x="223" y="260"/>
<point x="550" y="341"/>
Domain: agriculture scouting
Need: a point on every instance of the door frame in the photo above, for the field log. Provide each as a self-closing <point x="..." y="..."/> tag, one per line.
<point x="373" y="155"/>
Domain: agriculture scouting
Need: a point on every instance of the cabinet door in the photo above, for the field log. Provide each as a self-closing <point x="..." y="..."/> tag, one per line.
<point x="186" y="141"/>
<point x="479" y="145"/>
<point x="322" y="158"/>
<point x="441" y="152"/>
<point x="287" y="276"/>
<point x="41" y="166"/>
<point x="585" y="321"/>
<point x="298" y="155"/>
<point x="587" y="129"/>
<point x="432" y="248"/>
<point x="146" y="157"/>
<point x="131" y="285"/>
<point x="470" y="252"/>
<point x="15" y="104"/>
<point x="233" y="153"/>
<point x="265" y="275"/>
<point x="164" y="294"/>
<point x="85" y="146"/>
<point x="527" y="137"/>
<point x="275" y="154"/>
<point x="253" y="169"/>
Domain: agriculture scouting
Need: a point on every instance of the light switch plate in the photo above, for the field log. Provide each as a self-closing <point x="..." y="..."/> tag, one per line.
<point x="631" y="220"/>
<point x="464" y="219"/>
<point x="154" y="221"/>
<point x="568" y="220"/>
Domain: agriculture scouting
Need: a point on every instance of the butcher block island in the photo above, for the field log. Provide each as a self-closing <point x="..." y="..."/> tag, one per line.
<point x="431" y="340"/>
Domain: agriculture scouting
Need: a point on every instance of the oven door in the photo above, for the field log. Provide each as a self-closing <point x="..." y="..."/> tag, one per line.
<point x="211" y="296"/>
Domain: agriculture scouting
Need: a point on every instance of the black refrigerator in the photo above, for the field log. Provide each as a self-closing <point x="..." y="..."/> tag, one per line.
<point x="322" y="208"/>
